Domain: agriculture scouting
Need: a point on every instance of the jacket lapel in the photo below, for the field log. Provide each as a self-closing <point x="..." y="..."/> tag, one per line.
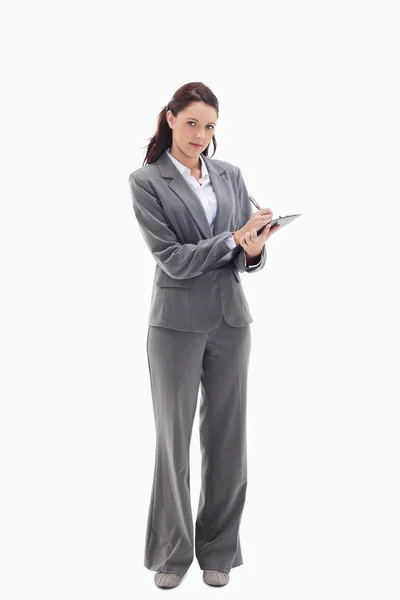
<point x="221" y="186"/>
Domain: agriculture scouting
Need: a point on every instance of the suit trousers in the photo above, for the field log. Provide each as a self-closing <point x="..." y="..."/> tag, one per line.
<point x="179" y="363"/>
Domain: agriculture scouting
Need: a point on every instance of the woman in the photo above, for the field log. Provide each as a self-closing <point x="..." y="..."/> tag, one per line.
<point x="197" y="221"/>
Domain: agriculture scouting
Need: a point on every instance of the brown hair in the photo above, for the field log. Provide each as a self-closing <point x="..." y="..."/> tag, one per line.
<point x="187" y="94"/>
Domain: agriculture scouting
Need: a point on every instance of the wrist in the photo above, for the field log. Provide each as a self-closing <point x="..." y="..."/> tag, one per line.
<point x="236" y="236"/>
<point x="252" y="260"/>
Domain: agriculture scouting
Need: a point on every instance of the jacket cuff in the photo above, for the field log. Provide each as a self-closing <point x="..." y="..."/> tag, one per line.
<point x="253" y="266"/>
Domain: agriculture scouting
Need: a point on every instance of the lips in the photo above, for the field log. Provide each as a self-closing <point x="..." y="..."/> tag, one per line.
<point x="195" y="145"/>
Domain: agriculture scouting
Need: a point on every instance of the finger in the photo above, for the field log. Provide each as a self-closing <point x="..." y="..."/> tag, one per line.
<point x="273" y="229"/>
<point x="265" y="232"/>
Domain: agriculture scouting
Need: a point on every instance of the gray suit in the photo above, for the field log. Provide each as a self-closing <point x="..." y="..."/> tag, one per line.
<point x="198" y="336"/>
<point x="196" y="280"/>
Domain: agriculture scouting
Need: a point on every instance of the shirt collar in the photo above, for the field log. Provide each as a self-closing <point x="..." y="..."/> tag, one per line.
<point x="185" y="170"/>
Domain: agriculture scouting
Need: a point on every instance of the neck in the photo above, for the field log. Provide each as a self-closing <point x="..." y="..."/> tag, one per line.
<point x="188" y="161"/>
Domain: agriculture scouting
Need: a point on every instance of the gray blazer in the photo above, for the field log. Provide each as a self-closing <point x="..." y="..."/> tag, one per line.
<point x="196" y="279"/>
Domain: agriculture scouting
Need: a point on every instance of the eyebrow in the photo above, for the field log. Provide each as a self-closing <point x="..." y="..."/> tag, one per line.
<point x="193" y="119"/>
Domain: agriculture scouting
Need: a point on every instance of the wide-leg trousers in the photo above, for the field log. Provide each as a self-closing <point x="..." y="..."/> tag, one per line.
<point x="179" y="363"/>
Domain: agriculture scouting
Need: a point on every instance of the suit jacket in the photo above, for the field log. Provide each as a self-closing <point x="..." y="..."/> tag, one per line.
<point x="196" y="280"/>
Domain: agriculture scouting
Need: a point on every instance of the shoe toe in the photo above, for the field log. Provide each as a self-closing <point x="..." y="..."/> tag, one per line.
<point x="215" y="577"/>
<point x="166" y="580"/>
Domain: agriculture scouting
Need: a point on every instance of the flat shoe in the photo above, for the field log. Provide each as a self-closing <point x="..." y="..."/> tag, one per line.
<point x="215" y="577"/>
<point x="167" y="580"/>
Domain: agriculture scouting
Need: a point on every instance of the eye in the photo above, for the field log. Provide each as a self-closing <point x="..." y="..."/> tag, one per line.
<point x="212" y="126"/>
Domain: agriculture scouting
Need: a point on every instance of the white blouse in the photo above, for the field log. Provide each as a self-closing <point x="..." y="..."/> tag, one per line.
<point x="206" y="194"/>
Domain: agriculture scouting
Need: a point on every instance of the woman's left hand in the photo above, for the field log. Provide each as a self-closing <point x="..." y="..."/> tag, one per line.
<point x="253" y="243"/>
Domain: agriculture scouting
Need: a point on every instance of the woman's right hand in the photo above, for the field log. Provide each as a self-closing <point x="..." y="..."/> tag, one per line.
<point x="257" y="220"/>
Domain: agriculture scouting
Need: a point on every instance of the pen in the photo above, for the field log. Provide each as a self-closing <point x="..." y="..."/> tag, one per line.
<point x="259" y="208"/>
<point x="255" y="203"/>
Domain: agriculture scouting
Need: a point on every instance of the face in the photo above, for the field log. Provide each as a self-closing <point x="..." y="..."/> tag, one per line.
<point x="196" y="123"/>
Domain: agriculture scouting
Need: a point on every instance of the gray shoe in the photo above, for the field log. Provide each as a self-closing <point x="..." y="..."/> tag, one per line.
<point x="167" y="580"/>
<point x="215" y="577"/>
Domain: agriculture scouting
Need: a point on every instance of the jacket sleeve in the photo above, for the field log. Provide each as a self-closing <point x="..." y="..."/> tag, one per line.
<point x="179" y="261"/>
<point x="246" y="211"/>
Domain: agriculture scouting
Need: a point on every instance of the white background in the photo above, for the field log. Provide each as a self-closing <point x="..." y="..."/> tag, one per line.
<point x="309" y="110"/>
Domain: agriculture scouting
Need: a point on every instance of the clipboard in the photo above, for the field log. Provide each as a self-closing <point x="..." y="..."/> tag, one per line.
<point x="281" y="221"/>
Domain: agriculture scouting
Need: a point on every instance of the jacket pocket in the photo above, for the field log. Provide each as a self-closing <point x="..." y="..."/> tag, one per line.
<point x="165" y="280"/>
